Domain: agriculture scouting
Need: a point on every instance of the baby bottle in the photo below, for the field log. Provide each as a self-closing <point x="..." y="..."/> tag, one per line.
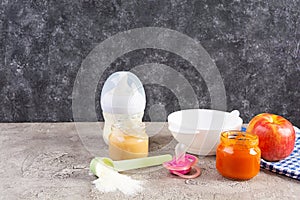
<point x="122" y="99"/>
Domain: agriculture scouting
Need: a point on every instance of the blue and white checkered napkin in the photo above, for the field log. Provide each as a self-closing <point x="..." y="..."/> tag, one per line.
<point x="290" y="166"/>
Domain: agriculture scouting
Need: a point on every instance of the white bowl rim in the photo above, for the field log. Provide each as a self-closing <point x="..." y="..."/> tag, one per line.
<point x="172" y="127"/>
<point x="190" y="132"/>
<point x="197" y="109"/>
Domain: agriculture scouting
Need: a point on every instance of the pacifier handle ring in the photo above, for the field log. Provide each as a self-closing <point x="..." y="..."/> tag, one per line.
<point x="198" y="172"/>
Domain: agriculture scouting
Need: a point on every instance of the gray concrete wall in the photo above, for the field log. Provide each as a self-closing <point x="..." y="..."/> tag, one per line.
<point x="254" y="44"/>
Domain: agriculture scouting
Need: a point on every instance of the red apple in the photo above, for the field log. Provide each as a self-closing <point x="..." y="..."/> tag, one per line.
<point x="276" y="136"/>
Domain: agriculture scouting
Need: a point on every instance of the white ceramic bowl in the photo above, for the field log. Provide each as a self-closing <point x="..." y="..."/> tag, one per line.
<point x="200" y="129"/>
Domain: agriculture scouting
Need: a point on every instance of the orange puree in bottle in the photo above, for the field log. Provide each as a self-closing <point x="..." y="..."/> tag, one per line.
<point x="238" y="155"/>
<point x="127" y="143"/>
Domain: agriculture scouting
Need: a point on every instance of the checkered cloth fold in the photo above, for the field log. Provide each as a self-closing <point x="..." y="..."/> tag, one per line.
<point x="290" y="166"/>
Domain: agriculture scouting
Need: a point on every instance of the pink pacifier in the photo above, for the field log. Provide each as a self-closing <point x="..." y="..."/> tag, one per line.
<point x="183" y="163"/>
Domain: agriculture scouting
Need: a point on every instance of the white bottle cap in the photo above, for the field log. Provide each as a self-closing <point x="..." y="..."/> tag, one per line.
<point x="123" y="93"/>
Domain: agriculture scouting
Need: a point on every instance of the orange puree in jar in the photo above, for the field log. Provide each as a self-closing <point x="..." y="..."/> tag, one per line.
<point x="238" y="155"/>
<point x="128" y="142"/>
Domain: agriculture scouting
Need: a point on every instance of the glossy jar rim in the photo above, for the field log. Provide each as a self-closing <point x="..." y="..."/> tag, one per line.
<point x="136" y="129"/>
<point x="239" y="138"/>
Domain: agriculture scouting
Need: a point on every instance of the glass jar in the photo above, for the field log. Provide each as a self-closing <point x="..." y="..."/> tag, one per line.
<point x="238" y="155"/>
<point x="128" y="141"/>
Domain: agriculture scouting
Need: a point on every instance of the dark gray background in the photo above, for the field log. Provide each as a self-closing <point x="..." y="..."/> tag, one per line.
<point x="255" y="45"/>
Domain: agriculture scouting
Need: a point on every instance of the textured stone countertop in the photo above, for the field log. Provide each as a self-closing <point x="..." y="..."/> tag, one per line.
<point x="50" y="161"/>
